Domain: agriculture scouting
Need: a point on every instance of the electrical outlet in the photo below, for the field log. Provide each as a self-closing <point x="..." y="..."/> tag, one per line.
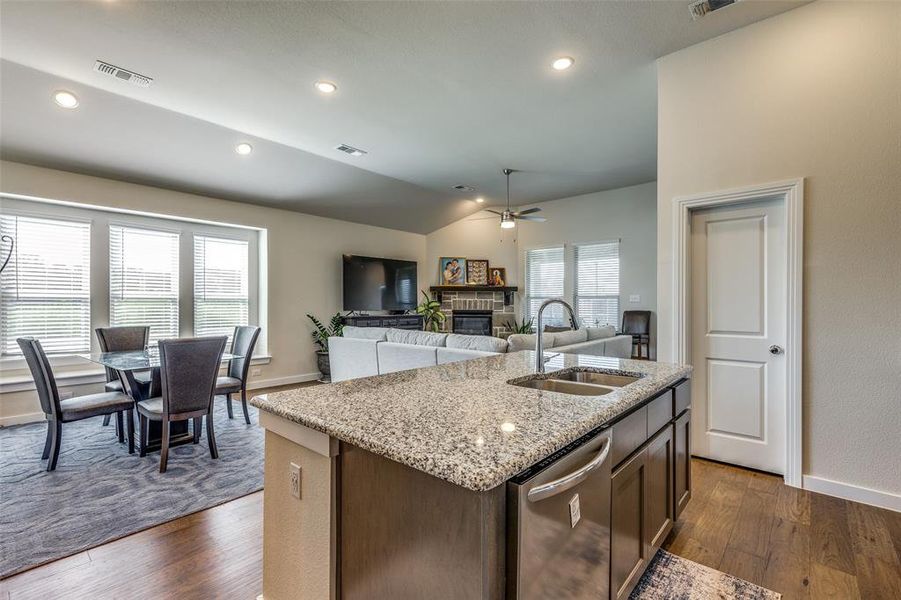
<point x="295" y="480"/>
<point x="255" y="372"/>
<point x="66" y="395"/>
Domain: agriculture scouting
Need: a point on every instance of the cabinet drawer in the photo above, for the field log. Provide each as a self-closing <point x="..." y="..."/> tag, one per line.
<point x="629" y="434"/>
<point x="660" y="412"/>
<point x="682" y="396"/>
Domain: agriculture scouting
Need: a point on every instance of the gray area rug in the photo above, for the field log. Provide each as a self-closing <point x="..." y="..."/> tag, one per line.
<point x="671" y="577"/>
<point x="99" y="492"/>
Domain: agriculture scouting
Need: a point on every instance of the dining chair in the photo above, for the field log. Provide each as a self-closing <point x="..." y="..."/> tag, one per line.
<point x="188" y="371"/>
<point x="122" y="339"/>
<point x="637" y="323"/>
<point x="243" y="342"/>
<point x="59" y="411"/>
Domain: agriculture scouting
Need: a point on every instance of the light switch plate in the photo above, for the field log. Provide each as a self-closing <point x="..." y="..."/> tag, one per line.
<point x="295" y="480"/>
<point x="635" y="298"/>
<point x="255" y="372"/>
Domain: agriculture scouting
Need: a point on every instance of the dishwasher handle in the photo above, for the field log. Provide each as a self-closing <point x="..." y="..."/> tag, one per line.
<point x="571" y="480"/>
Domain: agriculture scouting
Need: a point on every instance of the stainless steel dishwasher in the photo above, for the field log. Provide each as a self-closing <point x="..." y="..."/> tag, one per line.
<point x="558" y="524"/>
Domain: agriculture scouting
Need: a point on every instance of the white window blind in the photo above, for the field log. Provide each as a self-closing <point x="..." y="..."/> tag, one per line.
<point x="45" y="289"/>
<point x="544" y="279"/>
<point x="221" y="297"/>
<point x="144" y="279"/>
<point x="597" y="283"/>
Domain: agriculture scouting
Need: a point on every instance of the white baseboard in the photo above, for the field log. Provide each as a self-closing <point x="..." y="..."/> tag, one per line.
<point x="852" y="492"/>
<point x="36" y="417"/>
<point x="277" y="381"/>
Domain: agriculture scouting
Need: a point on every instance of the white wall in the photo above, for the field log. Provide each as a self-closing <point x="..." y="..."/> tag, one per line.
<point x="304" y="270"/>
<point x="813" y="93"/>
<point x="628" y="214"/>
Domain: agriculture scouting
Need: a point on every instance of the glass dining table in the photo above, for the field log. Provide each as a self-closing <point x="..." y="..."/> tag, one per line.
<point x="127" y="364"/>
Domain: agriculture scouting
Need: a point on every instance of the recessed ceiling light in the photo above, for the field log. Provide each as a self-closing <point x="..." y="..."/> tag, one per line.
<point x="563" y="63"/>
<point x="508" y="427"/>
<point x="244" y="148"/>
<point x="480" y="200"/>
<point x="326" y="87"/>
<point x="65" y="99"/>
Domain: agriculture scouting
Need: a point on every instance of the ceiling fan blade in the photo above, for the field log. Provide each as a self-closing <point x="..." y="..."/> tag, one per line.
<point x="535" y="219"/>
<point x="527" y="211"/>
<point x="493" y="211"/>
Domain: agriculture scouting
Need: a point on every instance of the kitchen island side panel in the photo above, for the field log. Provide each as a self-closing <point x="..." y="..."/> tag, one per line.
<point x="408" y="535"/>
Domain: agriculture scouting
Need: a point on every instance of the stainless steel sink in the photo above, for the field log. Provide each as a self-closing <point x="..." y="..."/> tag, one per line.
<point x="606" y="379"/>
<point x="565" y="387"/>
<point x="579" y="382"/>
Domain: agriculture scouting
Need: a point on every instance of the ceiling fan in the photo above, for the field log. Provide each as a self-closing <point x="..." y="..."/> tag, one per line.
<point x="509" y="217"/>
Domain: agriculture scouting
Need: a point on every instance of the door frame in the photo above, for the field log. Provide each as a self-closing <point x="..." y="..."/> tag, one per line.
<point x="791" y="193"/>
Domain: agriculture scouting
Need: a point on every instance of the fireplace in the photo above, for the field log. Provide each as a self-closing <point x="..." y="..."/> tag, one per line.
<point x="472" y="322"/>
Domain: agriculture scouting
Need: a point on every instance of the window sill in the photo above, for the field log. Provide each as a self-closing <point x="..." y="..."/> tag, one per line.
<point x="24" y="382"/>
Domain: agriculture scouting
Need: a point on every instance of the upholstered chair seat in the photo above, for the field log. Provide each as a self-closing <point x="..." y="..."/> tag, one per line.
<point x="227" y="385"/>
<point x="94" y="405"/>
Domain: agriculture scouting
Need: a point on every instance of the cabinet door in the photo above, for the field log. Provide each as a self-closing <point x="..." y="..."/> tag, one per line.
<point x="682" y="472"/>
<point x="659" y="505"/>
<point x="628" y="548"/>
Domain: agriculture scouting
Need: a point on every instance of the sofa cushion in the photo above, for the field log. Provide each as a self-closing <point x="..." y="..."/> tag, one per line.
<point x="482" y="343"/>
<point x="450" y="355"/>
<point x="416" y="338"/>
<point x="600" y="333"/>
<point x="526" y="341"/>
<point x="350" y="358"/>
<point x="400" y="357"/>
<point x="566" y="338"/>
<point x="365" y="333"/>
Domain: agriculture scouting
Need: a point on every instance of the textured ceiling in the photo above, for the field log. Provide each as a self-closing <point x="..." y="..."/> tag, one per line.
<point x="438" y="93"/>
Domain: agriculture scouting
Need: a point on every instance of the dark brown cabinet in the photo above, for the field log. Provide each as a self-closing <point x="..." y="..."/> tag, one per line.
<point x="628" y="530"/>
<point x="651" y="483"/>
<point x="682" y="460"/>
<point x="659" y="503"/>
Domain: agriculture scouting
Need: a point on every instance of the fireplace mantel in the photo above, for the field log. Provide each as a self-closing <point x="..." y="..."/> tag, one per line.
<point x="508" y="290"/>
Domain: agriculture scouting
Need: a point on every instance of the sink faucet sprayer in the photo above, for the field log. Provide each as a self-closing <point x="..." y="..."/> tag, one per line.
<point x="539" y="339"/>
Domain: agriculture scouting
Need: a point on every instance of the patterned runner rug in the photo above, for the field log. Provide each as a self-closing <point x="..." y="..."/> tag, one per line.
<point x="671" y="577"/>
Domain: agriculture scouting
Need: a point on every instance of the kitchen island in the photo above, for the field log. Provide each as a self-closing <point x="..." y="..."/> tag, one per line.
<point x="403" y="478"/>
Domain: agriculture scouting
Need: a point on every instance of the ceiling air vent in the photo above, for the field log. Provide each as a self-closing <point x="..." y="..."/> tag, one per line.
<point x="464" y="188"/>
<point x="122" y="74"/>
<point x="702" y="7"/>
<point x="350" y="150"/>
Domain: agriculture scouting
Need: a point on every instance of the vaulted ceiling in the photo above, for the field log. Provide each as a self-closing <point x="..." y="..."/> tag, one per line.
<point x="437" y="93"/>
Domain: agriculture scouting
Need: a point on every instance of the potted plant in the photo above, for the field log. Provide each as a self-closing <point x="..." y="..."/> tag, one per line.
<point x="430" y="309"/>
<point x="520" y="327"/>
<point x="321" y="334"/>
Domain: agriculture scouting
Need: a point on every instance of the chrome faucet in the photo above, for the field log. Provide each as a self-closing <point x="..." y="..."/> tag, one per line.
<point x="539" y="339"/>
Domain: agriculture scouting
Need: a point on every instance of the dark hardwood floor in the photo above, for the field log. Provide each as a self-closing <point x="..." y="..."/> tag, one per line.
<point x="798" y="543"/>
<point x="801" y="544"/>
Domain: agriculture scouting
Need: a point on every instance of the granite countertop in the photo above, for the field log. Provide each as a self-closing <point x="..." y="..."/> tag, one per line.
<point x="462" y="422"/>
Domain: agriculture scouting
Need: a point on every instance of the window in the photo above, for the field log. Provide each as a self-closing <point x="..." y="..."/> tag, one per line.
<point x="144" y="279"/>
<point x="45" y="289"/>
<point x="597" y="283"/>
<point x="221" y="299"/>
<point x="544" y="280"/>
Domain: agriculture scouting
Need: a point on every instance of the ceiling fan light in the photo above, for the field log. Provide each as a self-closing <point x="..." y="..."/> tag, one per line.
<point x="507" y="221"/>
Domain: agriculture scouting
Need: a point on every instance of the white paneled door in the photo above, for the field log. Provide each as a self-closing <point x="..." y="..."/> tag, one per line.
<point x="738" y="333"/>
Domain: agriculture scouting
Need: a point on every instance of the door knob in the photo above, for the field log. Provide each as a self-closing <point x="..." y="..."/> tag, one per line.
<point x="774" y="349"/>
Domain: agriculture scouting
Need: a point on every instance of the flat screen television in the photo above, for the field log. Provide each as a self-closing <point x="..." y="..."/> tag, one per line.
<point x="379" y="283"/>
